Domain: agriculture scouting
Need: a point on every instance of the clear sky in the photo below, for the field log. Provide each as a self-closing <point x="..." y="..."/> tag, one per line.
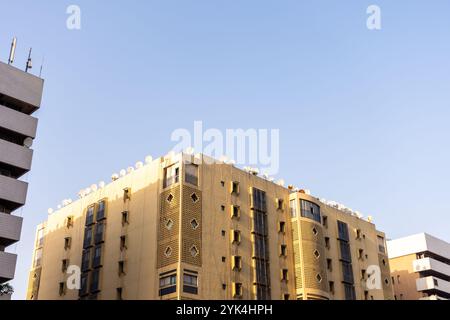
<point x="363" y="115"/>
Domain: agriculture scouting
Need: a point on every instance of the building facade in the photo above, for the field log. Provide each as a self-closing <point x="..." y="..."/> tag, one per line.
<point x="178" y="227"/>
<point x="20" y="96"/>
<point x="420" y="266"/>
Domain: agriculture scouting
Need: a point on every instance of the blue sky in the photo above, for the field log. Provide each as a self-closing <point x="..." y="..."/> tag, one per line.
<point x="363" y="115"/>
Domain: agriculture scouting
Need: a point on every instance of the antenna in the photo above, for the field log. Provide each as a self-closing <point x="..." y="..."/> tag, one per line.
<point x="42" y="65"/>
<point x="12" y="53"/>
<point x="29" y="63"/>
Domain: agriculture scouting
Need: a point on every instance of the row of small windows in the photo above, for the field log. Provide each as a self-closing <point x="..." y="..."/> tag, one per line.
<point x="168" y="282"/>
<point x="308" y="210"/>
<point x="172" y="175"/>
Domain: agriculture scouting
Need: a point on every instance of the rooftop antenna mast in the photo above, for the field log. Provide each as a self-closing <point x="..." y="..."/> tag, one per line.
<point x="42" y="65"/>
<point x="12" y="53"/>
<point x="29" y="62"/>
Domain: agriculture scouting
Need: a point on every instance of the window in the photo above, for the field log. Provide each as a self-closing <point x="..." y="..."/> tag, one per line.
<point x="125" y="217"/>
<point x="99" y="232"/>
<point x="235" y="187"/>
<point x="282" y="227"/>
<point x="194" y="251"/>
<point x="236" y="263"/>
<point x="398" y="280"/>
<point x="284" y="275"/>
<point x="343" y="231"/>
<point x="361" y="254"/>
<point x="237" y="290"/>
<point x="381" y="244"/>
<point x="293" y="208"/>
<point x="194" y="224"/>
<point x="194" y="198"/>
<point x="171" y="175"/>
<point x="222" y="208"/>
<point x="119" y="293"/>
<point x="235" y="236"/>
<point x="224" y="259"/>
<point x="101" y="210"/>
<point x="83" y="284"/>
<point x="327" y="242"/>
<point x="85" y="260"/>
<point x="286" y="296"/>
<point x="168" y="252"/>
<point x="169" y="224"/>
<point x="330" y="265"/>
<point x="121" y="268"/>
<point x="316" y="254"/>
<point x="349" y="292"/>
<point x="38" y="258"/>
<point x="67" y="243"/>
<point x="366" y="295"/>
<point x="345" y="251"/>
<point x="310" y="210"/>
<point x="123" y="243"/>
<point x="283" y="250"/>
<point x="69" y="222"/>
<point x="62" y="288"/>
<point x="191" y="174"/>
<point x="325" y="221"/>
<point x="235" y="212"/>
<point x="358" y="234"/>
<point x="363" y="274"/>
<point x="331" y="285"/>
<point x="167" y="284"/>
<point x="64" y="265"/>
<point x="95" y="281"/>
<point x="224" y="233"/>
<point x="436" y="283"/>
<point x="222" y="183"/>
<point x="280" y="204"/>
<point x="347" y="272"/>
<point x="87" y="237"/>
<point x="90" y="215"/>
<point x="190" y="283"/>
<point x="126" y="194"/>
<point x="40" y="238"/>
<point x="97" y="260"/>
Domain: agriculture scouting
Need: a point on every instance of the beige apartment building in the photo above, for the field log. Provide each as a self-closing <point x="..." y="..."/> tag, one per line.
<point x="186" y="227"/>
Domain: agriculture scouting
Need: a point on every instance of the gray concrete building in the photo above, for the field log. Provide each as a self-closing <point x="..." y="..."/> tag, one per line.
<point x="20" y="96"/>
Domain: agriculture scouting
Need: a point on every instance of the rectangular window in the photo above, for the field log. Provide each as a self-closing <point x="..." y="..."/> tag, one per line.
<point x="69" y="222"/>
<point x="327" y="243"/>
<point x="235" y="187"/>
<point x="97" y="259"/>
<point x="125" y="217"/>
<point x="121" y="268"/>
<point x="101" y="210"/>
<point x="280" y="204"/>
<point x="37" y="258"/>
<point x="167" y="284"/>
<point x="88" y="237"/>
<point x="99" y="232"/>
<point x="64" y="265"/>
<point x="235" y="236"/>
<point x="358" y="234"/>
<point x="86" y="260"/>
<point x="343" y="231"/>
<point x="325" y="221"/>
<point x="90" y="215"/>
<point x="190" y="283"/>
<point x="236" y="263"/>
<point x="349" y="292"/>
<point x="310" y="210"/>
<point x="84" y="284"/>
<point x="330" y="265"/>
<point x="345" y="251"/>
<point x="293" y="208"/>
<point x="284" y="275"/>
<point x="126" y="194"/>
<point x="331" y="285"/>
<point x="381" y="244"/>
<point x="347" y="272"/>
<point x="62" y="289"/>
<point x="237" y="290"/>
<point x="191" y="174"/>
<point x="123" y="243"/>
<point x="95" y="281"/>
<point x="283" y="250"/>
<point x="361" y="254"/>
<point x="119" y="294"/>
<point x="282" y="227"/>
<point x="171" y="175"/>
<point x="235" y="212"/>
<point x="67" y="243"/>
<point x="40" y="238"/>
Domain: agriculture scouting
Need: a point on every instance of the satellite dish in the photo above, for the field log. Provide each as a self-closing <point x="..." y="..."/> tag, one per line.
<point x="139" y="165"/>
<point x="123" y="173"/>
<point x="130" y="170"/>
<point x="94" y="187"/>
<point x="87" y="191"/>
<point x="148" y="159"/>
<point x="114" y="177"/>
<point x="50" y="211"/>
<point x="28" y="142"/>
<point x="81" y="194"/>
<point x="59" y="206"/>
<point x="101" y="184"/>
<point x="280" y="182"/>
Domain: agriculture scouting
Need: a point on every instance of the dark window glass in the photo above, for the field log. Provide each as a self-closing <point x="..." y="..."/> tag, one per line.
<point x="87" y="237"/>
<point x="99" y="232"/>
<point x="191" y="174"/>
<point x="95" y="281"/>
<point x="83" y="284"/>
<point x="171" y="175"/>
<point x="343" y="231"/>
<point x="97" y="259"/>
<point x="101" y="210"/>
<point x="190" y="283"/>
<point x="310" y="210"/>
<point x="347" y="272"/>
<point x="349" y="292"/>
<point x="90" y="215"/>
<point x="345" y="251"/>
<point x="167" y="284"/>
<point x="85" y="260"/>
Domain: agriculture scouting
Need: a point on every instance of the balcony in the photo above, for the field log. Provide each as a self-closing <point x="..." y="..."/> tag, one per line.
<point x="18" y="122"/>
<point x="13" y="192"/>
<point x="17" y="158"/>
<point x="431" y="265"/>
<point x="20" y="90"/>
<point x="7" y="266"/>
<point x="433" y="284"/>
<point x="10" y="228"/>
